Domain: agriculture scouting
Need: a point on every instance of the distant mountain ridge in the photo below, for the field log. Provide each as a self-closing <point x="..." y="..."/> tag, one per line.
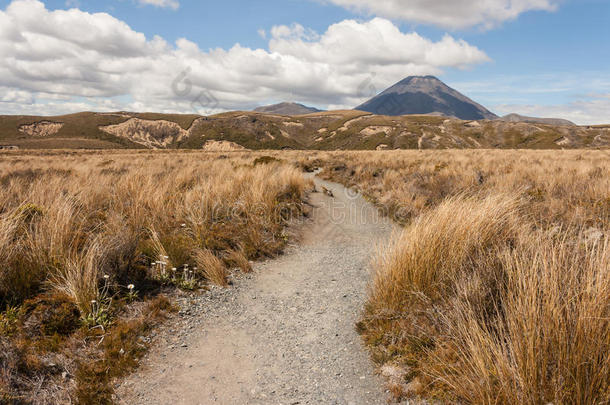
<point x="287" y="109"/>
<point x="425" y="95"/>
<point x="535" y="120"/>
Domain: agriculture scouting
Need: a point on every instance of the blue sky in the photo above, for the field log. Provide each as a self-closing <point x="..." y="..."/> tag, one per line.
<point x="536" y="57"/>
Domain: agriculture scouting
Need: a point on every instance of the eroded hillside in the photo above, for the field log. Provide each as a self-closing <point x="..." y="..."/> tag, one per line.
<point x="332" y="130"/>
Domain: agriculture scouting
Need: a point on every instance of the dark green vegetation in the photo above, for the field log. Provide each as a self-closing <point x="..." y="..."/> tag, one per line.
<point x="334" y="130"/>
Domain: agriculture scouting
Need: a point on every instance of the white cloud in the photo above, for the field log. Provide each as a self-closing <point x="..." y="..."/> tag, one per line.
<point x="15" y="96"/>
<point x="582" y="97"/>
<point x="452" y="14"/>
<point x="173" y="4"/>
<point x="374" y="42"/>
<point x="91" y="58"/>
<point x="592" y="110"/>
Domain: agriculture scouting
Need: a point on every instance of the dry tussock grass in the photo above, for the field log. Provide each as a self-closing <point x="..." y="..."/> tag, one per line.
<point x="498" y="289"/>
<point x="488" y="309"/>
<point x="561" y="186"/>
<point x="434" y="247"/>
<point x="211" y="267"/>
<point x="86" y="226"/>
<point x="496" y="292"/>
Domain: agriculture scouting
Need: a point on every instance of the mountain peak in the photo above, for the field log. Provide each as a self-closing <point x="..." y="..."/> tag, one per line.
<point x="409" y="79"/>
<point x="425" y="95"/>
<point x="287" y="108"/>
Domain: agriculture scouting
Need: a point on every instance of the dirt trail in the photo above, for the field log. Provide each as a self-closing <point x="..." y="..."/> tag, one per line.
<point x="284" y="335"/>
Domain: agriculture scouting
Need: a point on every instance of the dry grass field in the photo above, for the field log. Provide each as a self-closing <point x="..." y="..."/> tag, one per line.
<point x="90" y="241"/>
<point x="498" y="289"/>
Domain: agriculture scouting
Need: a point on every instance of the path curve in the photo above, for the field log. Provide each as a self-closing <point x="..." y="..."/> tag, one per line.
<point x="283" y="335"/>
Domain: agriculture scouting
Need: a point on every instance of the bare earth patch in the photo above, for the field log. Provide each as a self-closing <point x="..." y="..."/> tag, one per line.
<point x="372" y="130"/>
<point x="153" y="134"/>
<point x="41" y="129"/>
<point x="222" y="146"/>
<point x="294" y="124"/>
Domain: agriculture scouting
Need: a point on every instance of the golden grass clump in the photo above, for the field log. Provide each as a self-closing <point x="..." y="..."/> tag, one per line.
<point x="211" y="267"/>
<point x="434" y="247"/>
<point x="550" y="337"/>
<point x="238" y="259"/>
<point x="484" y="308"/>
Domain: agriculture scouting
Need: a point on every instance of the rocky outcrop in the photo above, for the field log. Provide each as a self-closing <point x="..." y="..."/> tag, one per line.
<point x="152" y="134"/>
<point x="41" y="128"/>
<point x="373" y="130"/>
<point x="222" y="146"/>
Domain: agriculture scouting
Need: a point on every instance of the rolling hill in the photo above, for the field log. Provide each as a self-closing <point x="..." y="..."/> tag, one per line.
<point x="287" y="109"/>
<point x="535" y="120"/>
<point x="331" y="130"/>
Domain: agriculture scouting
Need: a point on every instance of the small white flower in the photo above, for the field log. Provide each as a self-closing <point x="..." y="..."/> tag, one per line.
<point x="131" y="286"/>
<point x="183" y="225"/>
<point x="106" y="276"/>
<point x="174" y="269"/>
<point x="93" y="301"/>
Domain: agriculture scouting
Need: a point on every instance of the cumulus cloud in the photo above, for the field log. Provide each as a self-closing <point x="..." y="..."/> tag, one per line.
<point x="98" y="59"/>
<point x="377" y="42"/>
<point x="582" y="97"/>
<point x="591" y="110"/>
<point x="452" y="14"/>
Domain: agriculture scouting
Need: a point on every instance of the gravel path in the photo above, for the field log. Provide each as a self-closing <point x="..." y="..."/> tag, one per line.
<point x="282" y="335"/>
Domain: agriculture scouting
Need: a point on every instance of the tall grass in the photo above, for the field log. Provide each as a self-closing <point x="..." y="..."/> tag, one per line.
<point x="84" y="226"/>
<point x="498" y="289"/>
<point x="70" y="221"/>
<point x="562" y="186"/>
<point x="486" y="309"/>
<point x="211" y="267"/>
<point x="427" y="255"/>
